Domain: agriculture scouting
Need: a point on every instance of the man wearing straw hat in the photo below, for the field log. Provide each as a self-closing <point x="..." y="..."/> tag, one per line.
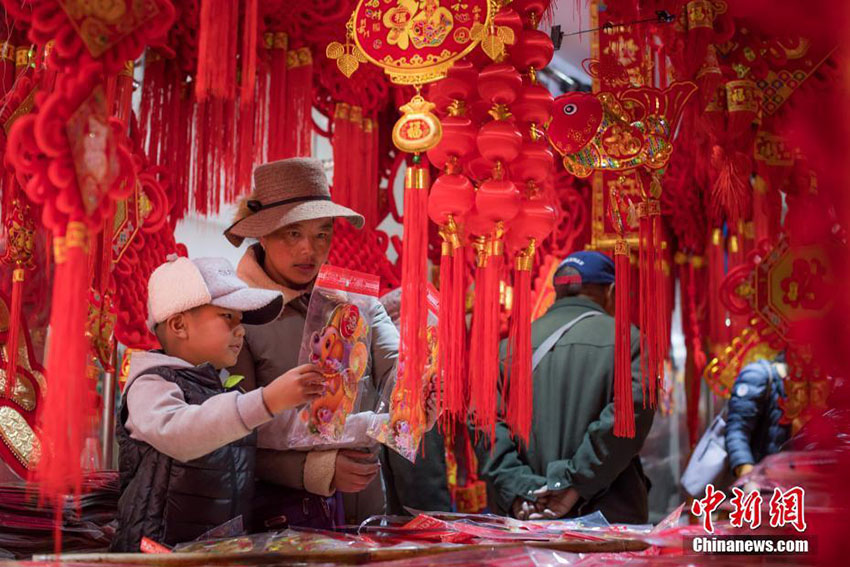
<point x="291" y="215"/>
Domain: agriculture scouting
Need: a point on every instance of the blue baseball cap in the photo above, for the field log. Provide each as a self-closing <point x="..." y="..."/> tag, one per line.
<point x="592" y="267"/>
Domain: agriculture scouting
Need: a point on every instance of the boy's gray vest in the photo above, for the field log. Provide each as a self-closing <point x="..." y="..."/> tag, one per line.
<point x="172" y="502"/>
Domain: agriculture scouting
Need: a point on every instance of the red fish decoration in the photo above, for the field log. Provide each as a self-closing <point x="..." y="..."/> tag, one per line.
<point x="604" y="131"/>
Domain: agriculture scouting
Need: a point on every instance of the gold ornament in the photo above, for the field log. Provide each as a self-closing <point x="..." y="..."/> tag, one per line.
<point x="418" y="129"/>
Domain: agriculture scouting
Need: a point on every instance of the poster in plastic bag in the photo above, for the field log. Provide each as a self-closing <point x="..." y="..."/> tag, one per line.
<point x="407" y="422"/>
<point x="337" y="339"/>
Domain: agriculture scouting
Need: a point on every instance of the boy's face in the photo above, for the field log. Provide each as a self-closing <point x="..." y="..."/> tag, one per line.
<point x="213" y="334"/>
<point x="296" y="252"/>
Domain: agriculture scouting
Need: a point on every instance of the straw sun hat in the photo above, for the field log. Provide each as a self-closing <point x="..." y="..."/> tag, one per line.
<point x="286" y="192"/>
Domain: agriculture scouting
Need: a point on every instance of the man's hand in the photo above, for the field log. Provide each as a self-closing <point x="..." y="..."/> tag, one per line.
<point x="553" y="505"/>
<point x="521" y="509"/>
<point x="355" y="470"/>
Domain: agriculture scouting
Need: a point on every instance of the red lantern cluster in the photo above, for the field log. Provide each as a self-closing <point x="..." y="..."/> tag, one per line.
<point x="494" y="190"/>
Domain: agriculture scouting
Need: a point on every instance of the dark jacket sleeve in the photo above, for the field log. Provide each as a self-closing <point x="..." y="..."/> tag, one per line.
<point x="601" y="457"/>
<point x="505" y="469"/>
<point x="743" y="414"/>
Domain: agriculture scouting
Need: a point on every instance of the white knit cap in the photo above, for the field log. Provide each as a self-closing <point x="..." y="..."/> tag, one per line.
<point x="181" y="284"/>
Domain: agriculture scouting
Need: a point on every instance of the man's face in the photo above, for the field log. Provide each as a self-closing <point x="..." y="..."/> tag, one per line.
<point x="297" y="251"/>
<point x="214" y="334"/>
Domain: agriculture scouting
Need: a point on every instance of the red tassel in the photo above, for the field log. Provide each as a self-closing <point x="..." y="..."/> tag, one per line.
<point x="261" y="115"/>
<point x="693" y="340"/>
<point x="124" y="94"/>
<point x="68" y="405"/>
<point x="624" y="410"/>
<point x="278" y="96"/>
<point x="731" y="194"/>
<point x="452" y="327"/>
<point x="370" y="158"/>
<point x="647" y="307"/>
<point x="520" y="383"/>
<point x="245" y="154"/>
<point x="299" y="103"/>
<point x="662" y="313"/>
<point x="217" y="47"/>
<point x="413" y="348"/>
<point x="444" y="330"/>
<point x="245" y="116"/>
<point x="249" y="53"/>
<point x="484" y="374"/>
<point x="652" y="315"/>
<point x="357" y="163"/>
<point x="456" y="402"/>
<point x="14" y="331"/>
<point x="342" y="153"/>
<point x="717" y="330"/>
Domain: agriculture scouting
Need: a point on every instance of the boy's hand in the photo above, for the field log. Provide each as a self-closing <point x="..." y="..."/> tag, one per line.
<point x="298" y="386"/>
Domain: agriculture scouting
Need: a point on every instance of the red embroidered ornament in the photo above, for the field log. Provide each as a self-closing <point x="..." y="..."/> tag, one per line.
<point x="111" y="33"/>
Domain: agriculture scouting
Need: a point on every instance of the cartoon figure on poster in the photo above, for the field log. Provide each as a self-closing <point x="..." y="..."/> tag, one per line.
<point x="337" y="339"/>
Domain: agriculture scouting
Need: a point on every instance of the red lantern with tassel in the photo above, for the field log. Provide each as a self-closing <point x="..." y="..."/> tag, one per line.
<point x="459" y="134"/>
<point x="531" y="10"/>
<point x="533" y="51"/>
<point x="731" y="158"/>
<point x="499" y="84"/>
<point x="452" y="198"/>
<point x="499" y="141"/>
<point x="533" y="165"/>
<point x="534" y="222"/>
<point x="456" y="89"/>
<point x="496" y="204"/>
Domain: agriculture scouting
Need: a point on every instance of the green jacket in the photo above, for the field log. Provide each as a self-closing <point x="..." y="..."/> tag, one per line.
<point x="572" y="439"/>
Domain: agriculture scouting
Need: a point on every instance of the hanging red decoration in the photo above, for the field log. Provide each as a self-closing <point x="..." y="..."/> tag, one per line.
<point x="73" y="160"/>
<point x="624" y="415"/>
<point x="497" y="202"/>
<point x="534" y="222"/>
<point x="81" y="33"/>
<point x="452" y="198"/>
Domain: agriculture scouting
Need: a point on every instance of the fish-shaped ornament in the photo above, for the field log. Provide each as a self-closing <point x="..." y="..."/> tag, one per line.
<point x="604" y="131"/>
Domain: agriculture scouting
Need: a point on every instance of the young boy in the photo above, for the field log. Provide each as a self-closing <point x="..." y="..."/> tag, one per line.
<point x="186" y="442"/>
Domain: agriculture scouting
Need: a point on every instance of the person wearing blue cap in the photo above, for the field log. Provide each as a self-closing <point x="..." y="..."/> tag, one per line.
<point x="574" y="465"/>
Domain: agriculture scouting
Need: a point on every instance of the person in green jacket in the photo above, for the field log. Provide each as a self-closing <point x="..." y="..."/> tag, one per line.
<point x="574" y="465"/>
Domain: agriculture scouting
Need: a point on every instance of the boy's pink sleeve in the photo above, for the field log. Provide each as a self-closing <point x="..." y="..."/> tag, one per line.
<point x="159" y="415"/>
